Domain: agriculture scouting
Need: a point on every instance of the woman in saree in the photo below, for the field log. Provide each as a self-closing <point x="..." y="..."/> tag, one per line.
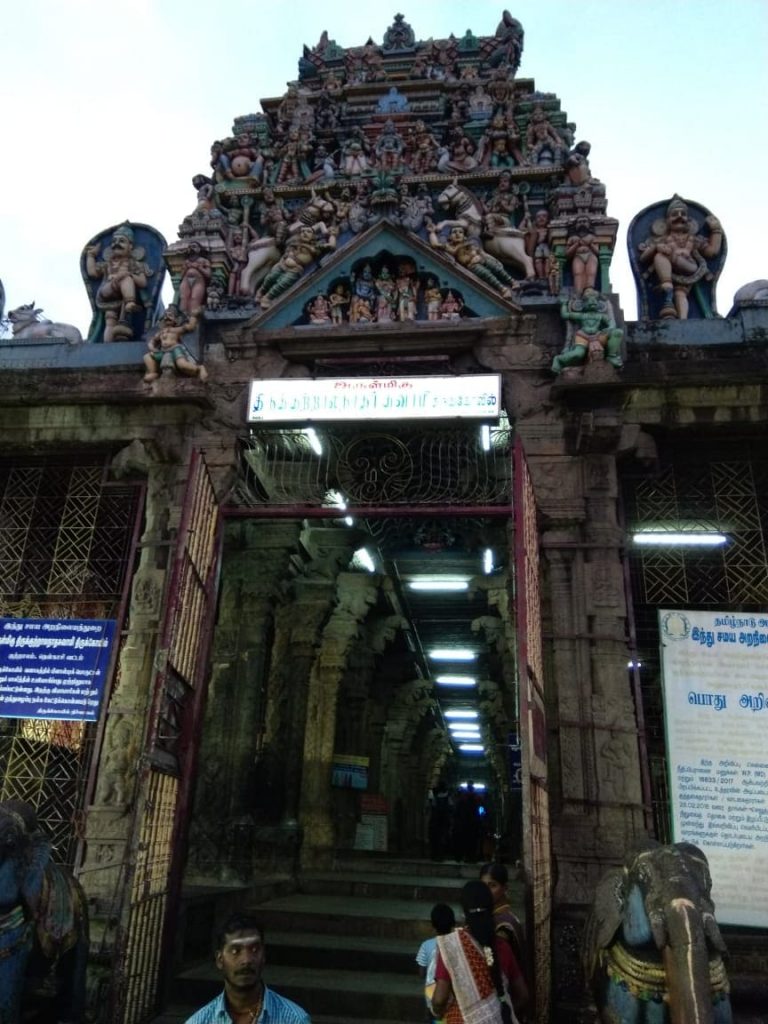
<point x="477" y="979"/>
<point x="507" y="924"/>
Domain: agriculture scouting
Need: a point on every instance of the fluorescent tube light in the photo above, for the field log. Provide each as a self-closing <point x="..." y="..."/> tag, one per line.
<point x="460" y="713"/>
<point x="439" y="585"/>
<point x="472" y="747"/>
<point x="684" y="539"/>
<point x="452" y="654"/>
<point x="456" y="680"/>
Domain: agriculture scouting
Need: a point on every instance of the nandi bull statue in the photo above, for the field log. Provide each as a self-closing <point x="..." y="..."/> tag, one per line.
<point x="43" y="921"/>
<point x="27" y="323"/>
<point x="652" y="949"/>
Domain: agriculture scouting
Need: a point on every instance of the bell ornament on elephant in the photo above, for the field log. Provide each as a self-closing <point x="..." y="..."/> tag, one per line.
<point x="43" y="923"/>
<point x="653" y="952"/>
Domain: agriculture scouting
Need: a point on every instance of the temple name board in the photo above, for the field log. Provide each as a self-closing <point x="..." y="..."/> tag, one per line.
<point x="54" y="669"/>
<point x="473" y="396"/>
<point x="715" y="672"/>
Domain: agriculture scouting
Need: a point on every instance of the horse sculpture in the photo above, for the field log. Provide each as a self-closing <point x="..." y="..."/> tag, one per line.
<point x="27" y="324"/>
<point x="43" y="921"/>
<point x="500" y="238"/>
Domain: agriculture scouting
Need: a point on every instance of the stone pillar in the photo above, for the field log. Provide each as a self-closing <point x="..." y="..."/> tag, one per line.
<point x="109" y="821"/>
<point x="355" y="596"/>
<point x="255" y="561"/>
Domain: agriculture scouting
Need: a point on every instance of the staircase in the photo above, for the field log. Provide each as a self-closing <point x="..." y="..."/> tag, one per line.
<point x="343" y="945"/>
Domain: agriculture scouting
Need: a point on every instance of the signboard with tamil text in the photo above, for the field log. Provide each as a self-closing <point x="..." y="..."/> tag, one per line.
<point x="473" y="396"/>
<point x="715" y="673"/>
<point x="54" y="669"/>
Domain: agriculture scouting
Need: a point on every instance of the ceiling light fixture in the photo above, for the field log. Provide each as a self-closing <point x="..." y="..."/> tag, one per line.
<point x="460" y="713"/>
<point x="452" y="654"/>
<point x="679" y="539"/>
<point x="465" y="734"/>
<point x="488" y="561"/>
<point x="479" y="787"/>
<point x="437" y="585"/>
<point x="485" y="437"/>
<point x="364" y="557"/>
<point x="472" y="748"/>
<point x="456" y="680"/>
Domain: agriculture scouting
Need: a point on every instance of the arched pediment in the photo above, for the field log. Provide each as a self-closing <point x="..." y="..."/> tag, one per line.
<point x="384" y="259"/>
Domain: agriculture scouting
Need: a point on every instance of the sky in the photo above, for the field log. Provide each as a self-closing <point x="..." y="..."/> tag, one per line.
<point x="108" y="110"/>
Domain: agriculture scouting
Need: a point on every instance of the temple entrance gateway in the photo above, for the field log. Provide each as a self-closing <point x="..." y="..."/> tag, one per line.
<point x="366" y="646"/>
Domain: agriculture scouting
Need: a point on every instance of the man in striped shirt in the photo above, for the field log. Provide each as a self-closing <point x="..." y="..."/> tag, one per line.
<point x="245" y="999"/>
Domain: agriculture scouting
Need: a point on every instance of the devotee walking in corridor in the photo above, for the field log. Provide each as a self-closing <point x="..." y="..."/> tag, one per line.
<point x="477" y="978"/>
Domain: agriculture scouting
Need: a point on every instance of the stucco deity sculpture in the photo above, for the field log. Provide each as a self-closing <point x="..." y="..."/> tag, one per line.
<point x="500" y="146"/>
<point x="124" y="274"/>
<point x="355" y="155"/>
<point x="422" y="149"/>
<point x="407" y="290"/>
<point x="468" y="252"/>
<point x="506" y="48"/>
<point x="595" y="333"/>
<point x="195" y="278"/>
<point x="537" y="242"/>
<point x="678" y="255"/>
<point x="165" y="343"/>
<point x="27" y="323"/>
<point x="301" y="251"/>
<point x="389" y="148"/>
<point x="458" y="156"/>
<point x="386" y="295"/>
<point x="543" y="145"/>
<point x="581" y="252"/>
<point x="399" y="35"/>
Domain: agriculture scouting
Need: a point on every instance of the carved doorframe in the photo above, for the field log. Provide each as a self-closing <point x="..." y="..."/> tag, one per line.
<point x="533" y="734"/>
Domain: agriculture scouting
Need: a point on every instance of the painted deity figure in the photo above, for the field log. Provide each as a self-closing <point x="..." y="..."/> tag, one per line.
<point x="124" y="273"/>
<point x="537" y="243"/>
<point x="450" y="307"/>
<point x="166" y="341"/>
<point x="363" y="302"/>
<point x="319" y="310"/>
<point x="355" y="156"/>
<point x="677" y="255"/>
<point x="581" y="251"/>
<point x="501" y="143"/>
<point x="422" y="147"/>
<point x="407" y="286"/>
<point x="468" y="252"/>
<point x="195" y="278"/>
<point x="240" y="237"/>
<point x="389" y="148"/>
<point x="544" y="145"/>
<point x="432" y="299"/>
<point x="300" y="253"/>
<point x="595" y="332"/>
<point x="386" y="297"/>
<point x="339" y="300"/>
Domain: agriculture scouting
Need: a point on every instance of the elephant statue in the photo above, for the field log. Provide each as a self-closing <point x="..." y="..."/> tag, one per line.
<point x="43" y="921"/>
<point x="652" y="948"/>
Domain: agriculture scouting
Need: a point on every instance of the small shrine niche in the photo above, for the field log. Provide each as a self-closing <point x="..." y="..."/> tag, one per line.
<point x="385" y="289"/>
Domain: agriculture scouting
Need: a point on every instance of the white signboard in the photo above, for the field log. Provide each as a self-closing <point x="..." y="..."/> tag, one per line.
<point x="715" y="671"/>
<point x="476" y="396"/>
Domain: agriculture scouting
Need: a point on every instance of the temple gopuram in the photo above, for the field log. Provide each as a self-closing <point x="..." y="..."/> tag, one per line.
<point x="391" y="501"/>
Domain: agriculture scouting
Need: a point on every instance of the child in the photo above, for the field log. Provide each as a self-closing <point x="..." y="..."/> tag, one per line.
<point x="443" y="921"/>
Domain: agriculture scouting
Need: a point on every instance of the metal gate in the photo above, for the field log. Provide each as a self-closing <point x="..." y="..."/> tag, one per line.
<point x="67" y="541"/>
<point x="158" y="838"/>
<point x="533" y="733"/>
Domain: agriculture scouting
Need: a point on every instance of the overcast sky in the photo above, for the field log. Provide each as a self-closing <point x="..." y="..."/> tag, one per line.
<point x="109" y="109"/>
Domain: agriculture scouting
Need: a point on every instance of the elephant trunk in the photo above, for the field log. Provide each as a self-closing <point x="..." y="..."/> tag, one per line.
<point x="686" y="963"/>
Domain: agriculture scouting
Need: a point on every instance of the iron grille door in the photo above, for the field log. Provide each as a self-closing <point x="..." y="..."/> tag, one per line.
<point x="159" y="831"/>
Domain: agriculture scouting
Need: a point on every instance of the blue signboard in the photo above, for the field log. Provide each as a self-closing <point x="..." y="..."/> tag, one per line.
<point x="54" y="668"/>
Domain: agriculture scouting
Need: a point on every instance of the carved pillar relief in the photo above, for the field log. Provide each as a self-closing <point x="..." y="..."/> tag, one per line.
<point x="109" y="822"/>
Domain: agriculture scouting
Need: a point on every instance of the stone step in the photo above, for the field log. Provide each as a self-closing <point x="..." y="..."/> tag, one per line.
<point x="365" y="995"/>
<point x="338" y="952"/>
<point x="385" y="864"/>
<point x="351" y="915"/>
<point x="401" y="886"/>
